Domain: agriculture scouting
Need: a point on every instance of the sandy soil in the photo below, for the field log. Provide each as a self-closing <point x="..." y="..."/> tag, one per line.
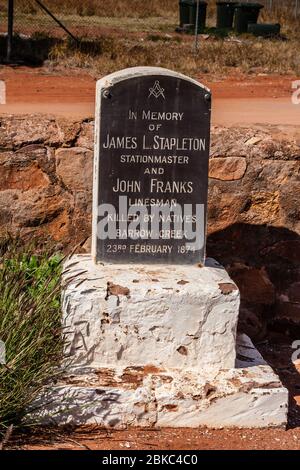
<point x="236" y="100"/>
<point x="171" y="439"/>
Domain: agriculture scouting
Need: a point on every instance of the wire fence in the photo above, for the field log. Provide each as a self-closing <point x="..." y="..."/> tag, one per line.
<point x="92" y="18"/>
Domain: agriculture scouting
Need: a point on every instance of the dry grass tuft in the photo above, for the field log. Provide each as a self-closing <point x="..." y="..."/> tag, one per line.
<point x="217" y="57"/>
<point x="123" y="33"/>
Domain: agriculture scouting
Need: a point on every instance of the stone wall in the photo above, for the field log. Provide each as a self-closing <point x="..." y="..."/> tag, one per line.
<point x="253" y="220"/>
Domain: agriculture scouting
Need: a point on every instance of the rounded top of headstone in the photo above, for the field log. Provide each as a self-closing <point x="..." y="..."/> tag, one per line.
<point x="133" y="72"/>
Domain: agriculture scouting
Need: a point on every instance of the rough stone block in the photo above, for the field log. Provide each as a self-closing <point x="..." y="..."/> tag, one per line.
<point x="248" y="396"/>
<point x="227" y="169"/>
<point x="75" y="167"/>
<point x="182" y="317"/>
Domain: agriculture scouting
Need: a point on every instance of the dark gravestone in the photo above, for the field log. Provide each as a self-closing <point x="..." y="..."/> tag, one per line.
<point x="151" y="168"/>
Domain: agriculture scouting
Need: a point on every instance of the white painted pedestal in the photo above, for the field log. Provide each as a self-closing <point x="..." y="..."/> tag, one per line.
<point x="156" y="346"/>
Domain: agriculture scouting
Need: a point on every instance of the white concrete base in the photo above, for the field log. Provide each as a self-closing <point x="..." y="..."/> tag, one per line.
<point x="167" y="316"/>
<point x="248" y="396"/>
<point x="156" y="346"/>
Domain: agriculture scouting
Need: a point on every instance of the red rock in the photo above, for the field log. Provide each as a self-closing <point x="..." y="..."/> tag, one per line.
<point x="289" y="250"/>
<point x="227" y="169"/>
<point x="288" y="311"/>
<point x="297" y="399"/>
<point x="251" y="323"/>
<point x="86" y="136"/>
<point x="22" y="178"/>
<point x="75" y="168"/>
<point x="254" y="284"/>
<point x="293" y="292"/>
<point x="17" y="131"/>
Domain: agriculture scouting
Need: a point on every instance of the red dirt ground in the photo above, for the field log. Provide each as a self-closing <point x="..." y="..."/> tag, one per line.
<point x="171" y="439"/>
<point x="260" y="99"/>
<point x="30" y="85"/>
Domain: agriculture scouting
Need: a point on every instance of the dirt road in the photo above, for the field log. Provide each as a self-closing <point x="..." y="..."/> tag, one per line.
<point x="236" y="100"/>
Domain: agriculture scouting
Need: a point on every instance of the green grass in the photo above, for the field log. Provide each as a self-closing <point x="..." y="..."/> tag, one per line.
<point x="30" y="327"/>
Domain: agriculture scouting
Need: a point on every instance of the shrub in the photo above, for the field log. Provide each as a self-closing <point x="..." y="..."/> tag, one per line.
<point x="30" y="326"/>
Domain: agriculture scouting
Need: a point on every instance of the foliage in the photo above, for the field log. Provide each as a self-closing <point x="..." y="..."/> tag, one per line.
<point x="30" y="326"/>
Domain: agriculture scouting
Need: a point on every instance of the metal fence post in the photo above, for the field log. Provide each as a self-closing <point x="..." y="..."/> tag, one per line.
<point x="196" y="26"/>
<point x="10" y="29"/>
<point x="43" y="7"/>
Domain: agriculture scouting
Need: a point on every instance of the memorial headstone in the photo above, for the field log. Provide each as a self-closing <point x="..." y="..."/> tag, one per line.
<point x="151" y="168"/>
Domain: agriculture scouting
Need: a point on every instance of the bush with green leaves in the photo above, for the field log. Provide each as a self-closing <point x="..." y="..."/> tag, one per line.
<point x="30" y="327"/>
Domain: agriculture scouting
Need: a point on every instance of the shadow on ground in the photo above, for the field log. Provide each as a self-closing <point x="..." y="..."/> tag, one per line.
<point x="264" y="262"/>
<point x="34" y="51"/>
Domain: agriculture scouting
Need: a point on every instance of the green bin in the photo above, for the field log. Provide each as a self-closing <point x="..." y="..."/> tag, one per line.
<point x="265" y="30"/>
<point x="188" y="14"/>
<point x="225" y="14"/>
<point x="246" y="13"/>
<point x="184" y="12"/>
